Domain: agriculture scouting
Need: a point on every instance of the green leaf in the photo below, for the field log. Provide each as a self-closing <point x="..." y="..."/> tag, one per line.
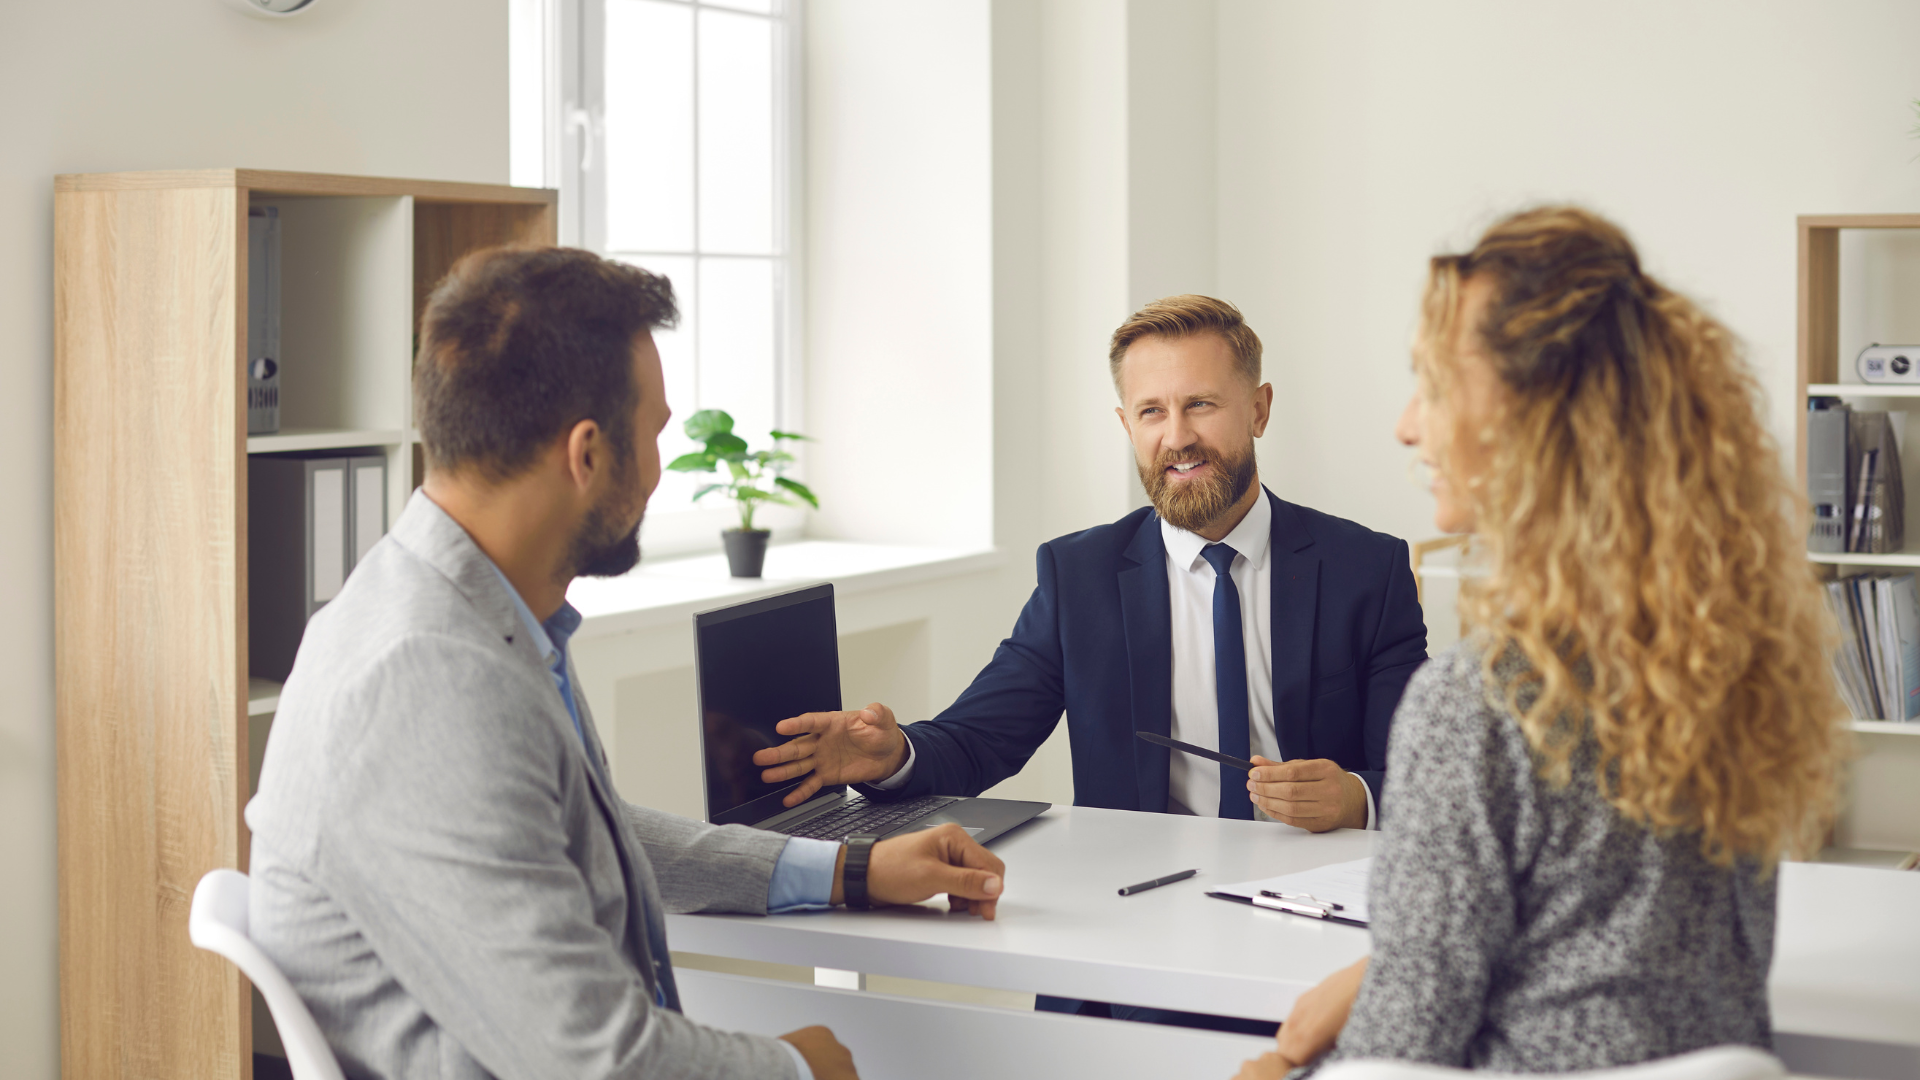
<point x="799" y="489"/>
<point x="707" y="489"/>
<point x="727" y="446"/>
<point x="747" y="493"/>
<point x="779" y="435"/>
<point x="774" y="457"/>
<point x="705" y="424"/>
<point x="739" y="470"/>
<point x="699" y="461"/>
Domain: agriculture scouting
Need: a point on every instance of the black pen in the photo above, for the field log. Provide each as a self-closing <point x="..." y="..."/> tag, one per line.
<point x="1157" y="882"/>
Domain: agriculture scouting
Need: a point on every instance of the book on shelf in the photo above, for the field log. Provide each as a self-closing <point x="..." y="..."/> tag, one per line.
<point x="1827" y="474"/>
<point x="1854" y="485"/>
<point x="1877" y="666"/>
<point x="263" y="320"/>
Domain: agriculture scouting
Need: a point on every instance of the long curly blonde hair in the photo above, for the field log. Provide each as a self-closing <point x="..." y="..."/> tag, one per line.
<point x="1638" y="540"/>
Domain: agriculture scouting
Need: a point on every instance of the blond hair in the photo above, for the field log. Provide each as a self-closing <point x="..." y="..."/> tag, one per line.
<point x="1185" y="315"/>
<point x="1640" y="548"/>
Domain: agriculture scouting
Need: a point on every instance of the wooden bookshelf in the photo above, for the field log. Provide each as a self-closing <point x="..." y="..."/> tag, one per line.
<point x="152" y="695"/>
<point x="1883" y="811"/>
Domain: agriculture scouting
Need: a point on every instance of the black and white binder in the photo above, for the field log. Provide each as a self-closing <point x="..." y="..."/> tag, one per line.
<point x="310" y="519"/>
<point x="1827" y="491"/>
<point x="263" y="320"/>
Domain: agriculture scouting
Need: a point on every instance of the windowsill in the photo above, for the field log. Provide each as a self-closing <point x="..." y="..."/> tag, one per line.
<point x="670" y="591"/>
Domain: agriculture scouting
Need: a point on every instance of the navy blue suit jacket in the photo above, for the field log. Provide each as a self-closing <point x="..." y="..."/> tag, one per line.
<point x="1096" y="641"/>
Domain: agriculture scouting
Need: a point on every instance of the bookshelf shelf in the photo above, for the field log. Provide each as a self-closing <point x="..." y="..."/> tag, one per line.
<point x="159" y="730"/>
<point x="1870" y="390"/>
<point x="291" y="439"/>
<point x="1886" y="727"/>
<point x="263" y="697"/>
<point x="1855" y="558"/>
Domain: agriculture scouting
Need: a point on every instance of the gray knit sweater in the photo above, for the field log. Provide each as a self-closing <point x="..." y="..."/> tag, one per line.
<point x="1526" y="928"/>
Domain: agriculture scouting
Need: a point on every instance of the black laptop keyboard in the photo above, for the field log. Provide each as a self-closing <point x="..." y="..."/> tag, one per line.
<point x="863" y="816"/>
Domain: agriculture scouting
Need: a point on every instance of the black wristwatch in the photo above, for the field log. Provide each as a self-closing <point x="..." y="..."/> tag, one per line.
<point x="853" y="874"/>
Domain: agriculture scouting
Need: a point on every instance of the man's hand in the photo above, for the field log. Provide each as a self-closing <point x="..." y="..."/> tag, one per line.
<point x="835" y="748"/>
<point x="1315" y="795"/>
<point x="908" y="869"/>
<point x="825" y="1056"/>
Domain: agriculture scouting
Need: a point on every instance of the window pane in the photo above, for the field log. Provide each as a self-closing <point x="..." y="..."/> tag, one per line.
<point x="677" y="363"/>
<point x="737" y="343"/>
<point x="649" y="88"/>
<point x="736" y="133"/>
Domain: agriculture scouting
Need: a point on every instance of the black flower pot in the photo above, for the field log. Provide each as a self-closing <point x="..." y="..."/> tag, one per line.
<point x="746" y="550"/>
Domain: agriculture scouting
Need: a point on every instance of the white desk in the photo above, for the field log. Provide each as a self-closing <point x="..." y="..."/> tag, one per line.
<point x="1846" y="966"/>
<point x="1063" y="930"/>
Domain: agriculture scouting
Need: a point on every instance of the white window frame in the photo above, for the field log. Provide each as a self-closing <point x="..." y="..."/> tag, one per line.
<point x="558" y="137"/>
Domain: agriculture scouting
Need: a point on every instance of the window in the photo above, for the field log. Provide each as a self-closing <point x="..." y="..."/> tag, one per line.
<point x="667" y="125"/>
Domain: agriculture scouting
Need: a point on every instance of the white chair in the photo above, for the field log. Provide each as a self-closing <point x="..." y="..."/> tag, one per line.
<point x="218" y="923"/>
<point x="1713" y="1063"/>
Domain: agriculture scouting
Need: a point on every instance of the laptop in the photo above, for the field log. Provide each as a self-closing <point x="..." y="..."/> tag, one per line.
<point x="766" y="660"/>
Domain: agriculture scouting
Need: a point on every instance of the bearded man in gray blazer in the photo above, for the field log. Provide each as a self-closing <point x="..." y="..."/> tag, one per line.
<point x="441" y="864"/>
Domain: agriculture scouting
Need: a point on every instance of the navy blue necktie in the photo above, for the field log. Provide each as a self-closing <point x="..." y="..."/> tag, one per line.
<point x="1229" y="681"/>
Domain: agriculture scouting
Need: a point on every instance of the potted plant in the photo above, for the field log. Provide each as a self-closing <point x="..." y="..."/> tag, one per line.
<point x="756" y="477"/>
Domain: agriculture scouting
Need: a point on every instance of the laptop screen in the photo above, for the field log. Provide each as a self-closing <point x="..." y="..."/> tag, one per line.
<point x="759" y="663"/>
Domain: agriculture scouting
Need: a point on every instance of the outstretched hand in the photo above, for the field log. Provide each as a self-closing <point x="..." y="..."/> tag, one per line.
<point x="909" y="868"/>
<point x="854" y="747"/>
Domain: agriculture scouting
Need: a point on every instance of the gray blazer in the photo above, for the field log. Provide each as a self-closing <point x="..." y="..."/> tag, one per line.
<point x="441" y="872"/>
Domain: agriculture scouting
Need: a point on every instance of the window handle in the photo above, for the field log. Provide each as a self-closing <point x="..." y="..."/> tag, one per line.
<point x="588" y="125"/>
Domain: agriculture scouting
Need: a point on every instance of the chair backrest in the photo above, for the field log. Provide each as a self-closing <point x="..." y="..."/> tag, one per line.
<point x="1713" y="1063"/>
<point x="218" y="923"/>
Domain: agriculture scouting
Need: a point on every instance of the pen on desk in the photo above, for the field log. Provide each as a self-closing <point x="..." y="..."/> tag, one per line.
<point x="1157" y="882"/>
<point x="1305" y="898"/>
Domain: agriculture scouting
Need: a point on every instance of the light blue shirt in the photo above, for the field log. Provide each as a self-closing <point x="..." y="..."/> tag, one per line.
<point x="802" y="879"/>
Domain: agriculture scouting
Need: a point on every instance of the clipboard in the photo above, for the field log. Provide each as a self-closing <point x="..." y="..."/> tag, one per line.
<point x="1332" y="917"/>
<point x="1336" y="893"/>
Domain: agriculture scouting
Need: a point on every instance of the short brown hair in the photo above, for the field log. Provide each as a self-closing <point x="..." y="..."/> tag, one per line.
<point x="518" y="344"/>
<point x="1181" y="316"/>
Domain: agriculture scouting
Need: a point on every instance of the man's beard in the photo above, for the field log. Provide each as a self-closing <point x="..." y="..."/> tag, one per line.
<point x="1194" y="504"/>
<point x="600" y="549"/>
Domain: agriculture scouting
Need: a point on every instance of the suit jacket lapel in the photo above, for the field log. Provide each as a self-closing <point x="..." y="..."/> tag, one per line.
<point x="1147" y="616"/>
<point x="1295" y="574"/>
<point x="643" y="895"/>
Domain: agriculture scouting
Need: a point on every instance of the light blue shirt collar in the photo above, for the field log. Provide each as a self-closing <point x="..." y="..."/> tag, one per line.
<point x="560" y="625"/>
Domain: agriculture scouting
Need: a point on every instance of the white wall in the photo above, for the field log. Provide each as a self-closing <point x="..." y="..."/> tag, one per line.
<point x="415" y="89"/>
<point x="897" y="243"/>
<point x="1357" y="139"/>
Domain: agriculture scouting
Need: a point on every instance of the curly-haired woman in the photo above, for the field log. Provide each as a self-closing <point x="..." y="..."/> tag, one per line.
<point x="1593" y="789"/>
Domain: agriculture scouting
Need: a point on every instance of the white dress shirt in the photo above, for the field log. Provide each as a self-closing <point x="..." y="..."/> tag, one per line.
<point x="1193" y="782"/>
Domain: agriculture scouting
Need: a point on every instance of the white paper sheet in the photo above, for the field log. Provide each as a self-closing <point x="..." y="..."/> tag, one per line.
<point x="1341" y="883"/>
